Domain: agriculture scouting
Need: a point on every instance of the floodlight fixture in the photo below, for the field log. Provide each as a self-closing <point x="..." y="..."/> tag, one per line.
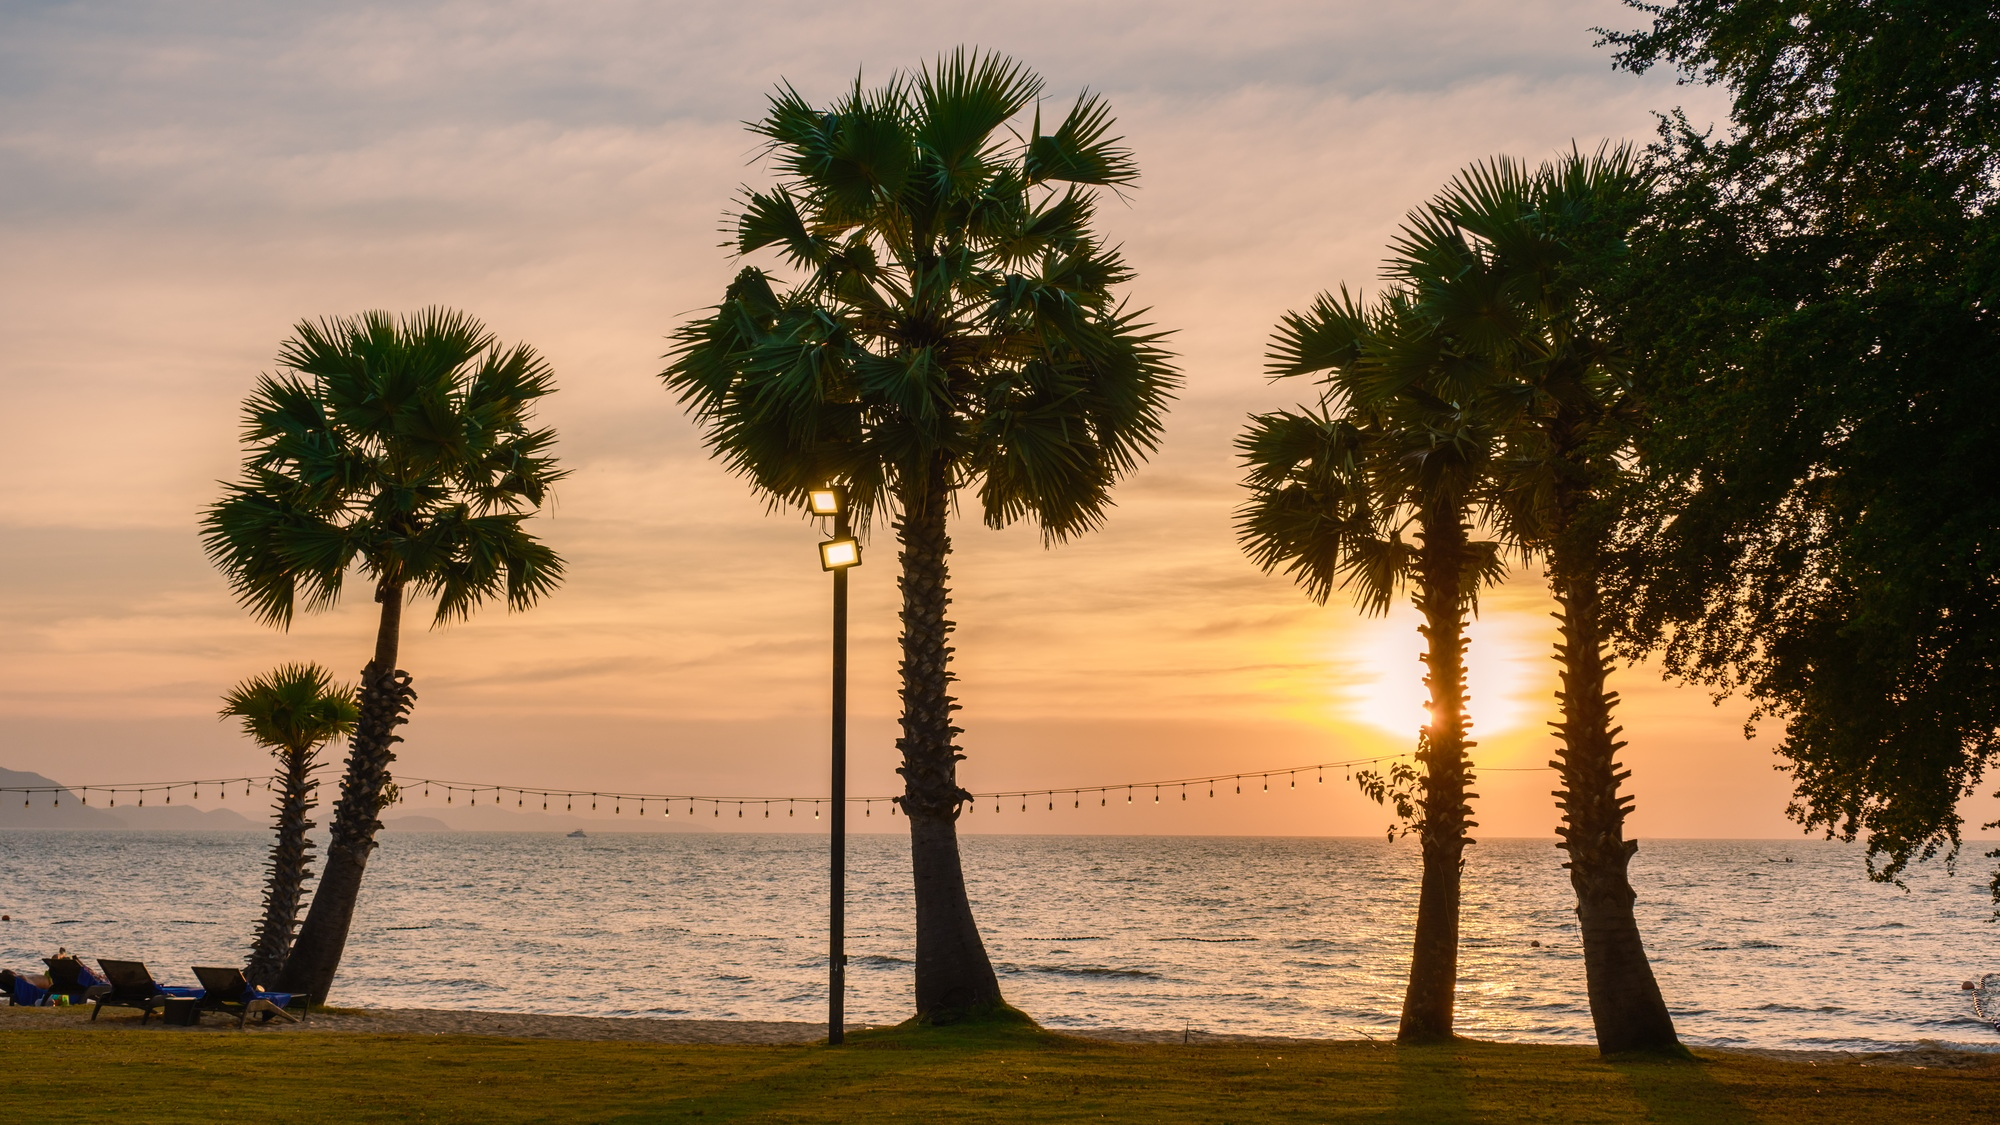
<point x="828" y="501"/>
<point x="839" y="554"/>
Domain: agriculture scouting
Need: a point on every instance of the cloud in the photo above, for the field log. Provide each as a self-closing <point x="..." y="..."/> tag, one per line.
<point x="186" y="180"/>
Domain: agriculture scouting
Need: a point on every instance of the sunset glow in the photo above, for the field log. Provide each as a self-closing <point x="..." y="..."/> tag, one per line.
<point x="1378" y="678"/>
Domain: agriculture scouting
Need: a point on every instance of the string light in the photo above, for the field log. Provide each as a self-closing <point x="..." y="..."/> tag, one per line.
<point x="473" y="790"/>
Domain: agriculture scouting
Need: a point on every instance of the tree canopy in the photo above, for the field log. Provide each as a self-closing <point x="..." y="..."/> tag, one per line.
<point x="1816" y="521"/>
<point x="952" y="300"/>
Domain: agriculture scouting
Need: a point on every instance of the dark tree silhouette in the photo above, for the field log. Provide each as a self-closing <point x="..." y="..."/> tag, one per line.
<point x="402" y="448"/>
<point x="1399" y="441"/>
<point x="294" y="712"/>
<point x="953" y="328"/>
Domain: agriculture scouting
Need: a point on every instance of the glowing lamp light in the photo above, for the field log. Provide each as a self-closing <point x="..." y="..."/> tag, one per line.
<point x="839" y="554"/>
<point x="827" y="501"/>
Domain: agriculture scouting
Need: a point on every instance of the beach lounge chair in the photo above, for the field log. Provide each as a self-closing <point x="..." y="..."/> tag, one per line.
<point x="227" y="990"/>
<point x="132" y="986"/>
<point x="69" y="977"/>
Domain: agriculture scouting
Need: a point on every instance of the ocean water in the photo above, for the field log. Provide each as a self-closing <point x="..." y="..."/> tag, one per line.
<point x="1758" y="943"/>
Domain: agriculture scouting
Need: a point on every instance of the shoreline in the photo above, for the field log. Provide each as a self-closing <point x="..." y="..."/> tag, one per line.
<point x="773" y="1033"/>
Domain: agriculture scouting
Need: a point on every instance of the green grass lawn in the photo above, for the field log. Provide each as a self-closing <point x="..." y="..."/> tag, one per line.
<point x="983" y="1073"/>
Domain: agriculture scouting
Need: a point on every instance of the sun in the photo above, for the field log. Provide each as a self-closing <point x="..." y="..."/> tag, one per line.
<point x="1379" y="673"/>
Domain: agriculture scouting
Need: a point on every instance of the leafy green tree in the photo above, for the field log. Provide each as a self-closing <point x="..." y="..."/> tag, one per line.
<point x="1503" y="261"/>
<point x="1814" y="305"/>
<point x="294" y="712"/>
<point x="1399" y="440"/>
<point x="404" y="449"/>
<point x="953" y="327"/>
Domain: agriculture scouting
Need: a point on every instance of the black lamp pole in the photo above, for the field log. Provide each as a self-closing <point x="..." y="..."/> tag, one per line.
<point x="837" y="898"/>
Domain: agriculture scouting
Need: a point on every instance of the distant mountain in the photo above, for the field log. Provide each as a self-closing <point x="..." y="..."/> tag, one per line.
<point x="47" y="810"/>
<point x="416" y="824"/>
<point x="65" y="809"/>
<point x="183" y="818"/>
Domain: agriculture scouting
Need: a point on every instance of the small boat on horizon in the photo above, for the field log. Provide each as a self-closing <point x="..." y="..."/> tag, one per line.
<point x="578" y="835"/>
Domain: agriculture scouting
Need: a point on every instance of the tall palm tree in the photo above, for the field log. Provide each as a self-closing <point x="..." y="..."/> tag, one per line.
<point x="953" y="327"/>
<point x="402" y="448"/>
<point x="1397" y="442"/>
<point x="1503" y="260"/>
<point x="293" y="712"/>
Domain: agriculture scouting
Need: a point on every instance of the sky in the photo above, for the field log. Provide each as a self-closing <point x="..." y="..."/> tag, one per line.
<point x="184" y="181"/>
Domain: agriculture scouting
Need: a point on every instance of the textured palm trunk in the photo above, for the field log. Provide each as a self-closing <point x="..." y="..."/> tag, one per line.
<point x="1625" y="1002"/>
<point x="289" y="867"/>
<point x="386" y="699"/>
<point x="1433" y="991"/>
<point x="954" y="976"/>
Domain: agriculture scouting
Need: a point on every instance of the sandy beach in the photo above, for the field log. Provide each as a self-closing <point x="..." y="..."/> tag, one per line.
<point x="524" y="1025"/>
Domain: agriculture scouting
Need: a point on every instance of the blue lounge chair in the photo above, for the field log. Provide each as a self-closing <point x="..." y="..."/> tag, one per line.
<point x="227" y="990"/>
<point x="133" y="986"/>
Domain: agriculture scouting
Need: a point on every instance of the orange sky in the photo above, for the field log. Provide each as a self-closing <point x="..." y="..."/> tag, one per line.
<point x="180" y="193"/>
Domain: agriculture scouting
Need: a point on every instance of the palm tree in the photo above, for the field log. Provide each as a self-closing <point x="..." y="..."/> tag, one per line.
<point x="1504" y="261"/>
<point x="293" y="712"/>
<point x="403" y="448"/>
<point x="953" y="328"/>
<point x="1398" y="441"/>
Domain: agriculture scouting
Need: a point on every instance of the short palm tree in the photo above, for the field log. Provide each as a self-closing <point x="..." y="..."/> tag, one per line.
<point x="1501" y="262"/>
<point x="402" y="448"/>
<point x="1399" y="441"/>
<point x="952" y="327"/>
<point x="293" y="712"/>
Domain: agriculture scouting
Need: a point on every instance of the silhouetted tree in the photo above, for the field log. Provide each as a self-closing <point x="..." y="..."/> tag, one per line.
<point x="953" y="327"/>
<point x="1399" y="440"/>
<point x="1814" y="308"/>
<point x="293" y="712"/>
<point x="1503" y="262"/>
<point x="403" y="448"/>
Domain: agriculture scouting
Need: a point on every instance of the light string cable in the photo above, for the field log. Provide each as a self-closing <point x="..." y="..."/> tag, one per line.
<point x="478" y="792"/>
<point x="220" y="785"/>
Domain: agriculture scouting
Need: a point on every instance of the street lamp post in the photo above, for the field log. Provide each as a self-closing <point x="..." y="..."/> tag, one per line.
<point x="838" y="554"/>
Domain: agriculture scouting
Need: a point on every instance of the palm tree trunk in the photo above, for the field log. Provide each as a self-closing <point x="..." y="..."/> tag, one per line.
<point x="289" y="867"/>
<point x="1433" y="989"/>
<point x="954" y="976"/>
<point x="386" y="699"/>
<point x="1625" y="1001"/>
